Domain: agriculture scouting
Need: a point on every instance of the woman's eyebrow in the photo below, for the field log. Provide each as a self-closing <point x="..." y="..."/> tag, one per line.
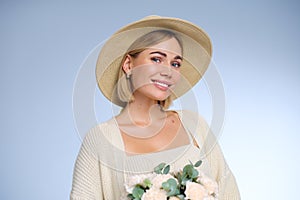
<point x="159" y="52"/>
<point x="178" y="57"/>
<point x="165" y="55"/>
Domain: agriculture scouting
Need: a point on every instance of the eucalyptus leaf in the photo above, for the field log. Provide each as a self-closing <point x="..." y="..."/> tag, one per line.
<point x="158" y="169"/>
<point x="137" y="193"/>
<point x="171" y="187"/>
<point x="184" y="180"/>
<point x="166" y="169"/>
<point x="130" y="196"/>
<point x="188" y="170"/>
<point x="147" y="183"/>
<point x="194" y="174"/>
<point x="198" y="163"/>
<point x="166" y="186"/>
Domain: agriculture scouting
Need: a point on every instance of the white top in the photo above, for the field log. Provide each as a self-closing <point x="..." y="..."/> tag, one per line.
<point x="102" y="164"/>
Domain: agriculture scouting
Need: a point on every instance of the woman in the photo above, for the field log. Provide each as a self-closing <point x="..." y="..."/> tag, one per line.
<point x="143" y="67"/>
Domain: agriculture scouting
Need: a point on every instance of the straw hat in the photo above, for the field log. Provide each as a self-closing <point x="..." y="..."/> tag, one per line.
<point x="197" y="51"/>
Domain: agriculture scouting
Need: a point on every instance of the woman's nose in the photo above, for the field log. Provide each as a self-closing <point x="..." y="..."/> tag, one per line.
<point x="166" y="71"/>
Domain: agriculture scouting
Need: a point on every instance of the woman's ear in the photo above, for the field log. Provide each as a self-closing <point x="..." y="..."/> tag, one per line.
<point x="127" y="64"/>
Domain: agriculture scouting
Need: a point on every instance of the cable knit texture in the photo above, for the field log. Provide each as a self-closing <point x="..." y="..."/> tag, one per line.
<point x="102" y="166"/>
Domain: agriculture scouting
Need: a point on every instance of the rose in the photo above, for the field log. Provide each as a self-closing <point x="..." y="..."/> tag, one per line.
<point x="154" y="194"/>
<point x="210" y="185"/>
<point x="195" y="191"/>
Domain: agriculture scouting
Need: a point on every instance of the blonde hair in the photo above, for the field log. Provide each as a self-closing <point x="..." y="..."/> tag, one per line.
<point x="124" y="87"/>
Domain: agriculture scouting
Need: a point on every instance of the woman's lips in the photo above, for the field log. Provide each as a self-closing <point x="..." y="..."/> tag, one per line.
<point x="162" y="85"/>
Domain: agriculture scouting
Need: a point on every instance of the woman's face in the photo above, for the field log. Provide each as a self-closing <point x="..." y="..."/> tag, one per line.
<point x="156" y="70"/>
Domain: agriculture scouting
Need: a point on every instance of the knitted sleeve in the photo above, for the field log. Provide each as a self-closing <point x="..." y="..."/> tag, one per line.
<point x="86" y="177"/>
<point x="228" y="189"/>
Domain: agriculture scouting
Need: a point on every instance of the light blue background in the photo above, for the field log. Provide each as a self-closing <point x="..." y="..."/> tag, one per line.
<point x="42" y="45"/>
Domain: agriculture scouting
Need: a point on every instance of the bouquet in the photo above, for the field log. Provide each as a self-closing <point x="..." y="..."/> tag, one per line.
<point x="186" y="184"/>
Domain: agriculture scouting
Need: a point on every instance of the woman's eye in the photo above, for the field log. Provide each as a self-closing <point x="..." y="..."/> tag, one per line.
<point x="176" y="64"/>
<point x="156" y="60"/>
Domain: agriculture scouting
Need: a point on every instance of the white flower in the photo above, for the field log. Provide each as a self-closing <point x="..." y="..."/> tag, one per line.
<point x="154" y="194"/>
<point x="204" y="188"/>
<point x="159" y="179"/>
<point x="134" y="180"/>
<point x="195" y="191"/>
<point x="174" y="198"/>
<point x="210" y="185"/>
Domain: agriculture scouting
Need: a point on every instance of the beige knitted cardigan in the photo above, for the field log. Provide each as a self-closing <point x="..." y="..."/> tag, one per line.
<point x="102" y="166"/>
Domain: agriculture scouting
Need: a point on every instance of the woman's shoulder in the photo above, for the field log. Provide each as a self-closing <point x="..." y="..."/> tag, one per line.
<point x="102" y="138"/>
<point x="104" y="125"/>
<point x="102" y="130"/>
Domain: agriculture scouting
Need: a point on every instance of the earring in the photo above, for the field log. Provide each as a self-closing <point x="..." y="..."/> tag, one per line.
<point x="128" y="75"/>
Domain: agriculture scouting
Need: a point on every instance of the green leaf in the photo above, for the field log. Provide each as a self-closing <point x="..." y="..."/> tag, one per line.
<point x="166" y="169"/>
<point x="158" y="169"/>
<point x="137" y="193"/>
<point x="166" y="186"/>
<point x="147" y="183"/>
<point x="195" y="174"/>
<point x="198" y="163"/>
<point x="130" y="196"/>
<point x="184" y="180"/>
<point x="188" y="170"/>
<point x="170" y="186"/>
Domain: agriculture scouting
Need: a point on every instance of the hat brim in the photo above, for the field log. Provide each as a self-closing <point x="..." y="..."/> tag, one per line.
<point x="197" y="51"/>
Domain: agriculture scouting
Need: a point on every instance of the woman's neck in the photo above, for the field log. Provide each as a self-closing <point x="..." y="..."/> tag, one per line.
<point x="142" y="112"/>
